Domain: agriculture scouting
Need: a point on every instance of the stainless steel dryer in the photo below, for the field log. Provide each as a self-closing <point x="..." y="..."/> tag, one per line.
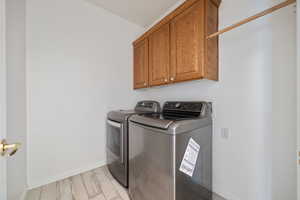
<point x="170" y="154"/>
<point x="117" y="138"/>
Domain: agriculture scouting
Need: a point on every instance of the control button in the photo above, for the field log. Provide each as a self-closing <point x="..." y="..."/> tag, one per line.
<point x="177" y="105"/>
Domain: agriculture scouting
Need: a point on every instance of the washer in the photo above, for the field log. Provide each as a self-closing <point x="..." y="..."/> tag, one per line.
<point x="117" y="138"/>
<point x="170" y="154"/>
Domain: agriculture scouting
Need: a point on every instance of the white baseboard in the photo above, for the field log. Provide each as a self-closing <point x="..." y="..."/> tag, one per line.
<point x="66" y="175"/>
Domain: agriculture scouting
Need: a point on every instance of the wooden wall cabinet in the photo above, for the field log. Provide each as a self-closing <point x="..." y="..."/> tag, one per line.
<point x="159" y="56"/>
<point x="177" y="49"/>
<point x="141" y="64"/>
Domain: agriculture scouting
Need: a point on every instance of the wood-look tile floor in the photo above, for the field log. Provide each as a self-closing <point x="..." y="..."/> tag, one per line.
<point x="97" y="184"/>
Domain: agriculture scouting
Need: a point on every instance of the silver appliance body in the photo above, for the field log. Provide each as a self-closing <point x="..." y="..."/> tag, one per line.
<point x="117" y="138"/>
<point x="157" y="145"/>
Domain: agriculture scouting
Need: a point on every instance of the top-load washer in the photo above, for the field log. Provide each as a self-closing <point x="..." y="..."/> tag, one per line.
<point x="170" y="154"/>
<point x="117" y="138"/>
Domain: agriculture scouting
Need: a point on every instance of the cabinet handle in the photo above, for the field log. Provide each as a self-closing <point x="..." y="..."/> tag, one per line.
<point x="166" y="80"/>
<point x="145" y="84"/>
<point x="172" y="78"/>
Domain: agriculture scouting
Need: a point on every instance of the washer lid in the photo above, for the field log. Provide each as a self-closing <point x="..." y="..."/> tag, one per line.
<point x="171" y="127"/>
<point x="152" y="120"/>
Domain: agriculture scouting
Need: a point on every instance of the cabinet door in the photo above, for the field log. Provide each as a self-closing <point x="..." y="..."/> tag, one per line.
<point x="187" y="44"/>
<point x="159" y="56"/>
<point x="141" y="64"/>
<point x="211" y="69"/>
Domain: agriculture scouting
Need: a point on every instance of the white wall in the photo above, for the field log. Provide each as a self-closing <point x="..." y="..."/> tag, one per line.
<point x="255" y="99"/>
<point x="284" y="137"/>
<point x="79" y="66"/>
<point x="16" y="96"/>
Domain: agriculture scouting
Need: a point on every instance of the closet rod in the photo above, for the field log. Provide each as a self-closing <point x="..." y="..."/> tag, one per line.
<point x="261" y="14"/>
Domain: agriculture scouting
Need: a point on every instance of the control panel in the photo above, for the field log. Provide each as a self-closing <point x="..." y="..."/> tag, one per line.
<point x="184" y="106"/>
<point x="148" y="106"/>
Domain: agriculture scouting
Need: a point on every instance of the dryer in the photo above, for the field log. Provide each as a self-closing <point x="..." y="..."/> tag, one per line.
<point x="117" y="138"/>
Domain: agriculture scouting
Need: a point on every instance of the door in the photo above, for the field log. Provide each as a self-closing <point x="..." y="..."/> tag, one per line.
<point x="3" y="182"/>
<point x="187" y="44"/>
<point x="298" y="90"/>
<point x="159" y="56"/>
<point x="141" y="64"/>
<point x="5" y="149"/>
<point x="116" y="151"/>
<point x="115" y="140"/>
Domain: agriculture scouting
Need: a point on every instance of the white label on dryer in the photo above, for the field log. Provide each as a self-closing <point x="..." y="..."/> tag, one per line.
<point x="190" y="157"/>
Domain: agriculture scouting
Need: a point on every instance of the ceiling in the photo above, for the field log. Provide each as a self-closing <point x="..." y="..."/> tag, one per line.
<point x="140" y="12"/>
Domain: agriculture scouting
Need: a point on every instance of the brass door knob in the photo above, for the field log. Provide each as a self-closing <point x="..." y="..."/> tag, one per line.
<point x="4" y="148"/>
